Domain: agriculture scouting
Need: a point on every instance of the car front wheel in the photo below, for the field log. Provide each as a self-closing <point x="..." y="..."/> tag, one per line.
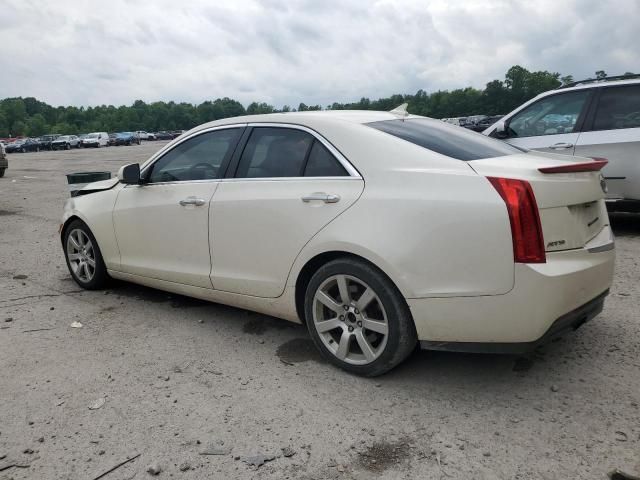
<point x="83" y="256"/>
<point x="357" y="318"/>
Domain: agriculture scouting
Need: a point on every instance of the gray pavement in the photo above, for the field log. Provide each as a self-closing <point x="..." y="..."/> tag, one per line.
<point x="173" y="378"/>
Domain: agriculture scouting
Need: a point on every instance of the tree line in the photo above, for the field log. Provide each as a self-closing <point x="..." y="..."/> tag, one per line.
<point x="31" y="117"/>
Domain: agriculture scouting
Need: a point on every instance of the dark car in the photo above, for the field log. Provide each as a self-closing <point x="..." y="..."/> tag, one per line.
<point x="127" y="138"/>
<point x="112" y="139"/>
<point x="485" y="123"/>
<point x="23" y="145"/>
<point x="164" y="136"/>
<point x="46" y="141"/>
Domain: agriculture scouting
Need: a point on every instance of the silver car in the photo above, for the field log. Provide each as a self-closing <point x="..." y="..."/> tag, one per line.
<point x="592" y="118"/>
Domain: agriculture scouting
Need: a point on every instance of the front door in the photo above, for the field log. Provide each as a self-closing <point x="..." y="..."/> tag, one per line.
<point x="287" y="187"/>
<point x="162" y="226"/>
<point x="549" y="124"/>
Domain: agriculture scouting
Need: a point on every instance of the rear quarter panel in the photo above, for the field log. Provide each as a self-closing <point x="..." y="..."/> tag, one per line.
<point x="434" y="226"/>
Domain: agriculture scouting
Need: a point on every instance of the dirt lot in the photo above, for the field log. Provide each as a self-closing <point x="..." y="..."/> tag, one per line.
<point x="171" y="378"/>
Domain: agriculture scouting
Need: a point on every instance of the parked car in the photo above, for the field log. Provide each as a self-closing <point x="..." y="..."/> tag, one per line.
<point x="164" y="136"/>
<point x="23" y="145"/>
<point x="112" y="139"/>
<point x="176" y="133"/>
<point x="485" y="123"/>
<point x="4" y="162"/>
<point x="383" y="231"/>
<point x="97" y="139"/>
<point x="151" y="136"/>
<point x="65" y="142"/>
<point x="142" y="135"/>
<point x="590" y="119"/>
<point x="46" y="141"/>
<point x="127" y="138"/>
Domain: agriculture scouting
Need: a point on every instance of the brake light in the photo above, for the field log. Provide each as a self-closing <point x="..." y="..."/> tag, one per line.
<point x="526" y="231"/>
<point x="594" y="166"/>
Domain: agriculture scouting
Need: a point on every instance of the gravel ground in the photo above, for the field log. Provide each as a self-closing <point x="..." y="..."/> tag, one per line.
<point x="170" y="378"/>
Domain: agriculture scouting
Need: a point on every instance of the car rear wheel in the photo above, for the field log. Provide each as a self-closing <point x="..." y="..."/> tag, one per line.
<point x="83" y="256"/>
<point x="23" y="150"/>
<point x="357" y="318"/>
<point x="2" y="172"/>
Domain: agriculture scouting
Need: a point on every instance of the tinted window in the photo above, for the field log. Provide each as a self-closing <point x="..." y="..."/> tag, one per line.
<point x="322" y="164"/>
<point x="198" y="158"/>
<point x="274" y="152"/>
<point x="618" y="107"/>
<point x="549" y="116"/>
<point x="439" y="137"/>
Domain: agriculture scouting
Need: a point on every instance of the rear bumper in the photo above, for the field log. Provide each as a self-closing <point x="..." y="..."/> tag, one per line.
<point x="542" y="295"/>
<point x="567" y="322"/>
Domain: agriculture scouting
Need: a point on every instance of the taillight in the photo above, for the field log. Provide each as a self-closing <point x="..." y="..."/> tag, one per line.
<point x="526" y="231"/>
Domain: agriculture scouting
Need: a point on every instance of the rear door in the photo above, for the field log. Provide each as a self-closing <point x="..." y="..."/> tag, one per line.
<point x="613" y="132"/>
<point x="288" y="184"/>
<point x="551" y="124"/>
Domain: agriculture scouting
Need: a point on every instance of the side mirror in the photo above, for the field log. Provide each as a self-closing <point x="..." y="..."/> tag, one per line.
<point x="130" y="174"/>
<point x="501" y="130"/>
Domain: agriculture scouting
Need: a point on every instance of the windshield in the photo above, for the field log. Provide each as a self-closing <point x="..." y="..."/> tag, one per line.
<point x="92" y="135"/>
<point x="439" y="137"/>
<point x="63" y="138"/>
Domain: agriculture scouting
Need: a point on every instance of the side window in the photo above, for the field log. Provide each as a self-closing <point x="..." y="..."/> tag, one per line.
<point x="198" y="158"/>
<point x="549" y="116"/>
<point x="274" y="152"/>
<point x="618" y="107"/>
<point x="322" y="164"/>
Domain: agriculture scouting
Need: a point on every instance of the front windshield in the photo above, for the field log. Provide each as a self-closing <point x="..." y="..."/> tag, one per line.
<point x="63" y="138"/>
<point x="92" y="135"/>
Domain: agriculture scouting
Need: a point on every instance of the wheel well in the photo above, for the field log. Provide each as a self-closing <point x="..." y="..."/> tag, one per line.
<point x="312" y="266"/>
<point x="66" y="225"/>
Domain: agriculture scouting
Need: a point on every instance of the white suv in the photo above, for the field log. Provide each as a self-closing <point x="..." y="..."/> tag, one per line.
<point x="592" y="118"/>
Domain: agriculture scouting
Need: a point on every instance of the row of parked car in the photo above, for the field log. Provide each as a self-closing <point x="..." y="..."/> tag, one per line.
<point x="88" y="140"/>
<point x="477" y="123"/>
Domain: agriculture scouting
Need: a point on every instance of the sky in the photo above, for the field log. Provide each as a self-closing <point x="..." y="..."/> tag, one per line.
<point x="283" y="52"/>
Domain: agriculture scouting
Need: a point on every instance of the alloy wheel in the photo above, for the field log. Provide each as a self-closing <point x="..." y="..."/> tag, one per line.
<point x="350" y="319"/>
<point x="81" y="255"/>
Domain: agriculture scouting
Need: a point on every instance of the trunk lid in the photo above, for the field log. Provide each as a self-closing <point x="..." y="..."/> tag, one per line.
<point x="571" y="205"/>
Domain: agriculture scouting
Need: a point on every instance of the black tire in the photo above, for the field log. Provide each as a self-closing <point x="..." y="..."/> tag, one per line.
<point x="2" y="172"/>
<point x="37" y="149"/>
<point x="23" y="150"/>
<point x="67" y="146"/>
<point x="401" y="338"/>
<point x="100" y="277"/>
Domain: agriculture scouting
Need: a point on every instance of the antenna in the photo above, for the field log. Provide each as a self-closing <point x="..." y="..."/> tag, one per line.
<point x="400" y="110"/>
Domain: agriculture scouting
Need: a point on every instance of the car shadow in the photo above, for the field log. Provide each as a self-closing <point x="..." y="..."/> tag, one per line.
<point x="423" y="368"/>
<point x="625" y="224"/>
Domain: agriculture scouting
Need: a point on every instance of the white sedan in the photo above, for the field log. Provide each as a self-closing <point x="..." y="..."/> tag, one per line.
<point x="381" y="231"/>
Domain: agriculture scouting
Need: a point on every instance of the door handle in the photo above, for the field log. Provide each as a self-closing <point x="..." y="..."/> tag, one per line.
<point x="561" y="146"/>
<point x="321" y="197"/>
<point x="193" y="201"/>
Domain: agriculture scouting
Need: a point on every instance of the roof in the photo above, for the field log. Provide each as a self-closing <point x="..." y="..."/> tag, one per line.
<point x="304" y="118"/>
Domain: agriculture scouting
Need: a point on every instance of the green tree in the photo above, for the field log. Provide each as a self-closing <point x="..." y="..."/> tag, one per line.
<point x="37" y="125"/>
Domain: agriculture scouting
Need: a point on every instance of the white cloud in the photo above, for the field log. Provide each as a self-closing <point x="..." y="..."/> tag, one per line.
<point x="291" y="51"/>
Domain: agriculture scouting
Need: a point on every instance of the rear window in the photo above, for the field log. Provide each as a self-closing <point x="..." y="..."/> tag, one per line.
<point x="437" y="136"/>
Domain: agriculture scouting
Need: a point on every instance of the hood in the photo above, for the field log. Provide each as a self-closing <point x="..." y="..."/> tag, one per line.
<point x="98" y="186"/>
